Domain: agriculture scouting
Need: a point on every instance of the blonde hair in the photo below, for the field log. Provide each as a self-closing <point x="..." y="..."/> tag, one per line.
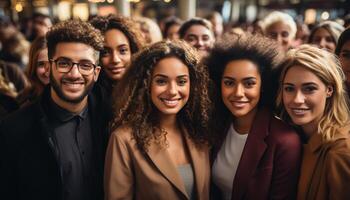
<point x="277" y="16"/>
<point x="7" y="87"/>
<point x="327" y="68"/>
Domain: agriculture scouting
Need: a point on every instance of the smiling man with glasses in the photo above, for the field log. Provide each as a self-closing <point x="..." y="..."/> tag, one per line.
<point x="54" y="148"/>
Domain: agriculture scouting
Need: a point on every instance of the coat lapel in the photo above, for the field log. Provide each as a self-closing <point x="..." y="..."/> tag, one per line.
<point x="251" y="155"/>
<point x="161" y="160"/>
<point x="199" y="160"/>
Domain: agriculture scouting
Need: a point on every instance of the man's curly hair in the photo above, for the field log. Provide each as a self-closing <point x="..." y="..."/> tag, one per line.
<point x="123" y="24"/>
<point x="73" y="31"/>
<point x="134" y="108"/>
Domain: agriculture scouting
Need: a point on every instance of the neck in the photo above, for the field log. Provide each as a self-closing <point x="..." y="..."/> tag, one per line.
<point x="169" y="123"/>
<point x="71" y="107"/>
<point x="310" y="129"/>
<point x="243" y="124"/>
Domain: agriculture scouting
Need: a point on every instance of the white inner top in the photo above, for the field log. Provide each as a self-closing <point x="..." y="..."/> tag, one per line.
<point x="227" y="160"/>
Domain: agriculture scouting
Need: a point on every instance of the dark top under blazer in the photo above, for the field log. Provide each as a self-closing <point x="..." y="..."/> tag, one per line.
<point x="28" y="159"/>
<point x="270" y="161"/>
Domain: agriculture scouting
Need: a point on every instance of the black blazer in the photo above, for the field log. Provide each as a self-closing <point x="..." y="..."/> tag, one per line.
<point x="28" y="161"/>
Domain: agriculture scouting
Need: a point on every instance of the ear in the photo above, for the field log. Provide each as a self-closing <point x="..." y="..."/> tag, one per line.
<point x="97" y="72"/>
<point x="329" y="91"/>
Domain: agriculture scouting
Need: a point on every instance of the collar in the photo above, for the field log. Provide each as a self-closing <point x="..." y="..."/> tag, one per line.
<point x="64" y="115"/>
<point x="316" y="141"/>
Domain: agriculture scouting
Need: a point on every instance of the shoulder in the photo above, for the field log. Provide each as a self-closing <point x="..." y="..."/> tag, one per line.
<point x="21" y="119"/>
<point x="122" y="134"/>
<point x="340" y="149"/>
<point x="283" y="134"/>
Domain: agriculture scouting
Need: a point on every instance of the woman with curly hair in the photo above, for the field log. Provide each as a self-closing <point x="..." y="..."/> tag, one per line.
<point x="37" y="71"/>
<point x="255" y="155"/>
<point x="312" y="98"/>
<point x="122" y="40"/>
<point x="158" y="149"/>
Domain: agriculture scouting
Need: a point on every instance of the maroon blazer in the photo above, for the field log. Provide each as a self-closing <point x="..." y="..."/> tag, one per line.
<point x="270" y="161"/>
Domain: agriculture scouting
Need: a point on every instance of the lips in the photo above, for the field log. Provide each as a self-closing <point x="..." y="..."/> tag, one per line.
<point x="239" y="104"/>
<point x="73" y="85"/>
<point x="299" y="111"/>
<point x="170" y="102"/>
<point x="116" y="70"/>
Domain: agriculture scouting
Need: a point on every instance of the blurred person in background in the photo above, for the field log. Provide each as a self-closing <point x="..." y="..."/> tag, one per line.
<point x="122" y="39"/>
<point x="8" y="95"/>
<point x="171" y="28"/>
<point x="150" y="29"/>
<point x="218" y="25"/>
<point x="14" y="76"/>
<point x="37" y="71"/>
<point x="325" y="35"/>
<point x="302" y="34"/>
<point x="343" y="52"/>
<point x="280" y="27"/>
<point x="40" y="25"/>
<point x="198" y="32"/>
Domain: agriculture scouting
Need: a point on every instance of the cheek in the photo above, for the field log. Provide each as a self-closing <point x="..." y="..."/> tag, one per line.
<point x="105" y="60"/>
<point x="40" y="71"/>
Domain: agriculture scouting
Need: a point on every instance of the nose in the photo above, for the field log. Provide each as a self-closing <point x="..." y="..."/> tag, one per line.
<point x="172" y="89"/>
<point x="239" y="91"/>
<point x="322" y="43"/>
<point x="199" y="43"/>
<point x="299" y="97"/>
<point x="115" y="57"/>
<point x="74" y="71"/>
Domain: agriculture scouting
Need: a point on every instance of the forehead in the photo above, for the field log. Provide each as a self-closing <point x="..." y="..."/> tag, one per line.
<point x="170" y="66"/>
<point x="75" y="51"/>
<point x="115" y="36"/>
<point x="198" y="30"/>
<point x="298" y="75"/>
<point x="322" y="32"/>
<point x="278" y="26"/>
<point x="346" y="46"/>
<point x="241" y="68"/>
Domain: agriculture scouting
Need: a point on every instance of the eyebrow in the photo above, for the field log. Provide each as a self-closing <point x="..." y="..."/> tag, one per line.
<point x="244" y="79"/>
<point x="304" y="84"/>
<point x="165" y="76"/>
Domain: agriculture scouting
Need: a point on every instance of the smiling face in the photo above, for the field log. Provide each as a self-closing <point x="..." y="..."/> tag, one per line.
<point x="324" y="40"/>
<point x="280" y="32"/>
<point x="116" y="54"/>
<point x="240" y="88"/>
<point x="72" y="87"/>
<point x="42" y="67"/>
<point x="170" y="86"/>
<point x="200" y="37"/>
<point x="304" y="97"/>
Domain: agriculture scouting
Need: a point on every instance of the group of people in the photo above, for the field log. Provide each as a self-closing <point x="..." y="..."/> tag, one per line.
<point x="238" y="116"/>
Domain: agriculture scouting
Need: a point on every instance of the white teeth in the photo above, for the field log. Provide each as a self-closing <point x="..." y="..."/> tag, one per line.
<point x="170" y="102"/>
<point x="299" y="111"/>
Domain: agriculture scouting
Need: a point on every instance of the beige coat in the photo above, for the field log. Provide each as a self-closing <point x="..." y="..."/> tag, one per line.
<point x="325" y="172"/>
<point x="131" y="174"/>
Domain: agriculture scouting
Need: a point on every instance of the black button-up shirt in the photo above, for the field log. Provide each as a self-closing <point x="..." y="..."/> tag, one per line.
<point x="73" y="140"/>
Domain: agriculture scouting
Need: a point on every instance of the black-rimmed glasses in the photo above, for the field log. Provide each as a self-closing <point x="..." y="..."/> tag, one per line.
<point x="64" y="65"/>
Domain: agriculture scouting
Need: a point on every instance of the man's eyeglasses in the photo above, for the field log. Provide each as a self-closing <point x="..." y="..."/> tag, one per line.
<point x="65" y="65"/>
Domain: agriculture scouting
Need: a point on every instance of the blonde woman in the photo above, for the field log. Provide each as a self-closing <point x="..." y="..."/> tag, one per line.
<point x="312" y="97"/>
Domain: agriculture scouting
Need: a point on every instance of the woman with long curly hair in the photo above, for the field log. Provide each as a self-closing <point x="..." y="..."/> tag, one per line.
<point x="158" y="149"/>
<point x="255" y="155"/>
<point x="312" y="98"/>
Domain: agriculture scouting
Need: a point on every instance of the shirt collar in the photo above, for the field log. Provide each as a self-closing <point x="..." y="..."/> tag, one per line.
<point x="64" y="115"/>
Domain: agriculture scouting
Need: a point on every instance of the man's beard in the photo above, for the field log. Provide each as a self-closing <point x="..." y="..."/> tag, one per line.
<point x="56" y="87"/>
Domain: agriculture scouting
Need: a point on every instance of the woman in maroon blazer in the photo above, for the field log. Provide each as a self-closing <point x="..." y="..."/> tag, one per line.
<point x="255" y="155"/>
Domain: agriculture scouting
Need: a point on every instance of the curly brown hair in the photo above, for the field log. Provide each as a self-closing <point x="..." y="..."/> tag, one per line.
<point x="74" y="31"/>
<point x="125" y="25"/>
<point x="134" y="108"/>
